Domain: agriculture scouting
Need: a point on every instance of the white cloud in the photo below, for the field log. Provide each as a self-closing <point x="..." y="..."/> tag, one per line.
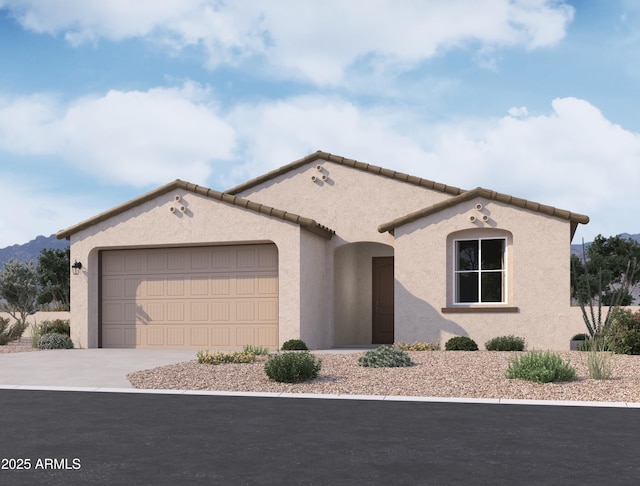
<point x="317" y="41"/>
<point x="132" y="137"/>
<point x="572" y="158"/>
<point x="31" y="210"/>
<point x="276" y="133"/>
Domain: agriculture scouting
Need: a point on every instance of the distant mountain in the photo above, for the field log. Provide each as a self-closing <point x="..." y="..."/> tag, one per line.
<point x="30" y="251"/>
<point x="576" y="249"/>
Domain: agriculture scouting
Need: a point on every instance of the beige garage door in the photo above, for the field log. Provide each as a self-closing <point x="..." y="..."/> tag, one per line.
<point x="221" y="297"/>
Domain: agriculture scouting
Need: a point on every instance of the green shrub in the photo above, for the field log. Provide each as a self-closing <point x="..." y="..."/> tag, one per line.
<point x="292" y="367"/>
<point x="623" y="333"/>
<point x="461" y="343"/>
<point x="598" y="359"/>
<point x="12" y="332"/>
<point x="294" y="345"/>
<point x="505" y="343"/>
<point x="55" y="340"/>
<point x="256" y="350"/>
<point x="417" y="346"/>
<point x="385" y="357"/>
<point x="540" y="367"/>
<point x="205" y="357"/>
<point x="60" y="326"/>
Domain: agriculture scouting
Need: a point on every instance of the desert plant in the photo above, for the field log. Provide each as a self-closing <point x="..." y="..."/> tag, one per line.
<point x="587" y="274"/>
<point x="417" y="346"/>
<point x="61" y="326"/>
<point x="461" y="343"/>
<point x="294" y="345"/>
<point x="598" y="359"/>
<point x="55" y="340"/>
<point x="505" y="343"/>
<point x="292" y="367"/>
<point x="540" y="367"/>
<point x="256" y="350"/>
<point x="205" y="357"/>
<point x="18" y="290"/>
<point x="385" y="357"/>
<point x="623" y="334"/>
<point x="11" y="332"/>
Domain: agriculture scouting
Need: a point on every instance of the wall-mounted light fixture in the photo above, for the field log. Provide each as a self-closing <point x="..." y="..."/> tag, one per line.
<point x="76" y="267"/>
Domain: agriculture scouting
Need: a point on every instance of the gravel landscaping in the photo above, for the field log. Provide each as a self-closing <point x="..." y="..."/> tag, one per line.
<point x="21" y="346"/>
<point x="477" y="374"/>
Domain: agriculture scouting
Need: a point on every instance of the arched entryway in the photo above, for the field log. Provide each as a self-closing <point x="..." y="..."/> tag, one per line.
<point x="363" y="294"/>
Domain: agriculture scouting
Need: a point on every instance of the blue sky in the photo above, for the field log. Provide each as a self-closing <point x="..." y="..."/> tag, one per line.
<point x="101" y="101"/>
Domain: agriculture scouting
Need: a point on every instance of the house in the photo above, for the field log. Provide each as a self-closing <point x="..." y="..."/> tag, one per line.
<point x="326" y="249"/>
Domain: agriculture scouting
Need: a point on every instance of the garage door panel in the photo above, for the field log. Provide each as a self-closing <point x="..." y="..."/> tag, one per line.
<point x="220" y="311"/>
<point x="220" y="285"/>
<point x="216" y="297"/>
<point x="268" y="337"/>
<point x="267" y="310"/>
<point x="175" y="336"/>
<point x="220" y="337"/>
<point x="199" y="336"/>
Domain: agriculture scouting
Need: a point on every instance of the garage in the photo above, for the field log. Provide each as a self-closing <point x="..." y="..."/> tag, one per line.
<point x="214" y="297"/>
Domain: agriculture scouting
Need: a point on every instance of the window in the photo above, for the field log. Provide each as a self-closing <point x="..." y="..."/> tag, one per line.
<point x="480" y="273"/>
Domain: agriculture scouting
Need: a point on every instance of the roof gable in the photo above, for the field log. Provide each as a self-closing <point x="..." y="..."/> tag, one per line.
<point x="373" y="169"/>
<point x="574" y="218"/>
<point x="305" y="223"/>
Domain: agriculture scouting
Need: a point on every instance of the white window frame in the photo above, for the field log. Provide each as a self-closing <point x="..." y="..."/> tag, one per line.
<point x="504" y="271"/>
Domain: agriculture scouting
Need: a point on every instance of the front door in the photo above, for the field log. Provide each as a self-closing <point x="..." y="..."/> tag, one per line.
<point x="382" y="303"/>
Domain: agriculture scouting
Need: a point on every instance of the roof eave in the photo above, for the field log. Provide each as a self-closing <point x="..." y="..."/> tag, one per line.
<point x="574" y="218"/>
<point x="355" y="164"/>
<point x="305" y="223"/>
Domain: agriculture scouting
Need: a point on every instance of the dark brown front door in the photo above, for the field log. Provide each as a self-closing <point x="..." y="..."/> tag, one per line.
<point x="382" y="300"/>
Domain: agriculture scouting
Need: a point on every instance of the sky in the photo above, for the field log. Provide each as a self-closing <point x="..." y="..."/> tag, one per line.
<point x="104" y="100"/>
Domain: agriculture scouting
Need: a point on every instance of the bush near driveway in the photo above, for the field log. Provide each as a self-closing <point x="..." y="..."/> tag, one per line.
<point x="505" y="343"/>
<point x="55" y="340"/>
<point x="623" y="334"/>
<point x="12" y="332"/>
<point x="205" y="357"/>
<point x="294" y="345"/>
<point x="460" y="343"/>
<point x="540" y="367"/>
<point x="292" y="367"/>
<point x="417" y="346"/>
<point x="60" y="326"/>
<point x="385" y="357"/>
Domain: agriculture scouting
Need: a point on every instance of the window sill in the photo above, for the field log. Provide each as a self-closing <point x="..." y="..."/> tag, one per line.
<point x="480" y="310"/>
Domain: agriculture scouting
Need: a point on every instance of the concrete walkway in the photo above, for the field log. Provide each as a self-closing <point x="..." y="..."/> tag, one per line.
<point x="84" y="367"/>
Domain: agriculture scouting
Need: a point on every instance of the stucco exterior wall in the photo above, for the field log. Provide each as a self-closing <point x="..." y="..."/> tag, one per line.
<point x="351" y="202"/>
<point x="316" y="302"/>
<point x="538" y="276"/>
<point x="205" y="222"/>
<point x="38" y="318"/>
<point x="353" y="291"/>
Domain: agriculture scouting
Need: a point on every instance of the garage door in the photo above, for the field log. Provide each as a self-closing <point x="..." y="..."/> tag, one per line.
<point x="221" y="297"/>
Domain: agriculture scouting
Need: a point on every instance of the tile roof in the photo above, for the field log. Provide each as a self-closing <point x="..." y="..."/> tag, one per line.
<point x="363" y="166"/>
<point x="305" y="223"/>
<point x="574" y="218"/>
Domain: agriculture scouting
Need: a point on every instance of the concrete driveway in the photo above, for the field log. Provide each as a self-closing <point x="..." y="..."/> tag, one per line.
<point x="103" y="368"/>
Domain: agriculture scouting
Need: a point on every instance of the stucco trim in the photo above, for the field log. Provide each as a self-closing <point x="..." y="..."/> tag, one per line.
<point x="337" y="159"/>
<point x="575" y="218"/>
<point x="305" y="223"/>
<point x="480" y="310"/>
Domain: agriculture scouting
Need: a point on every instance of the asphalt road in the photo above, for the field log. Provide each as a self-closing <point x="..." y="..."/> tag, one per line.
<point x="119" y="438"/>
